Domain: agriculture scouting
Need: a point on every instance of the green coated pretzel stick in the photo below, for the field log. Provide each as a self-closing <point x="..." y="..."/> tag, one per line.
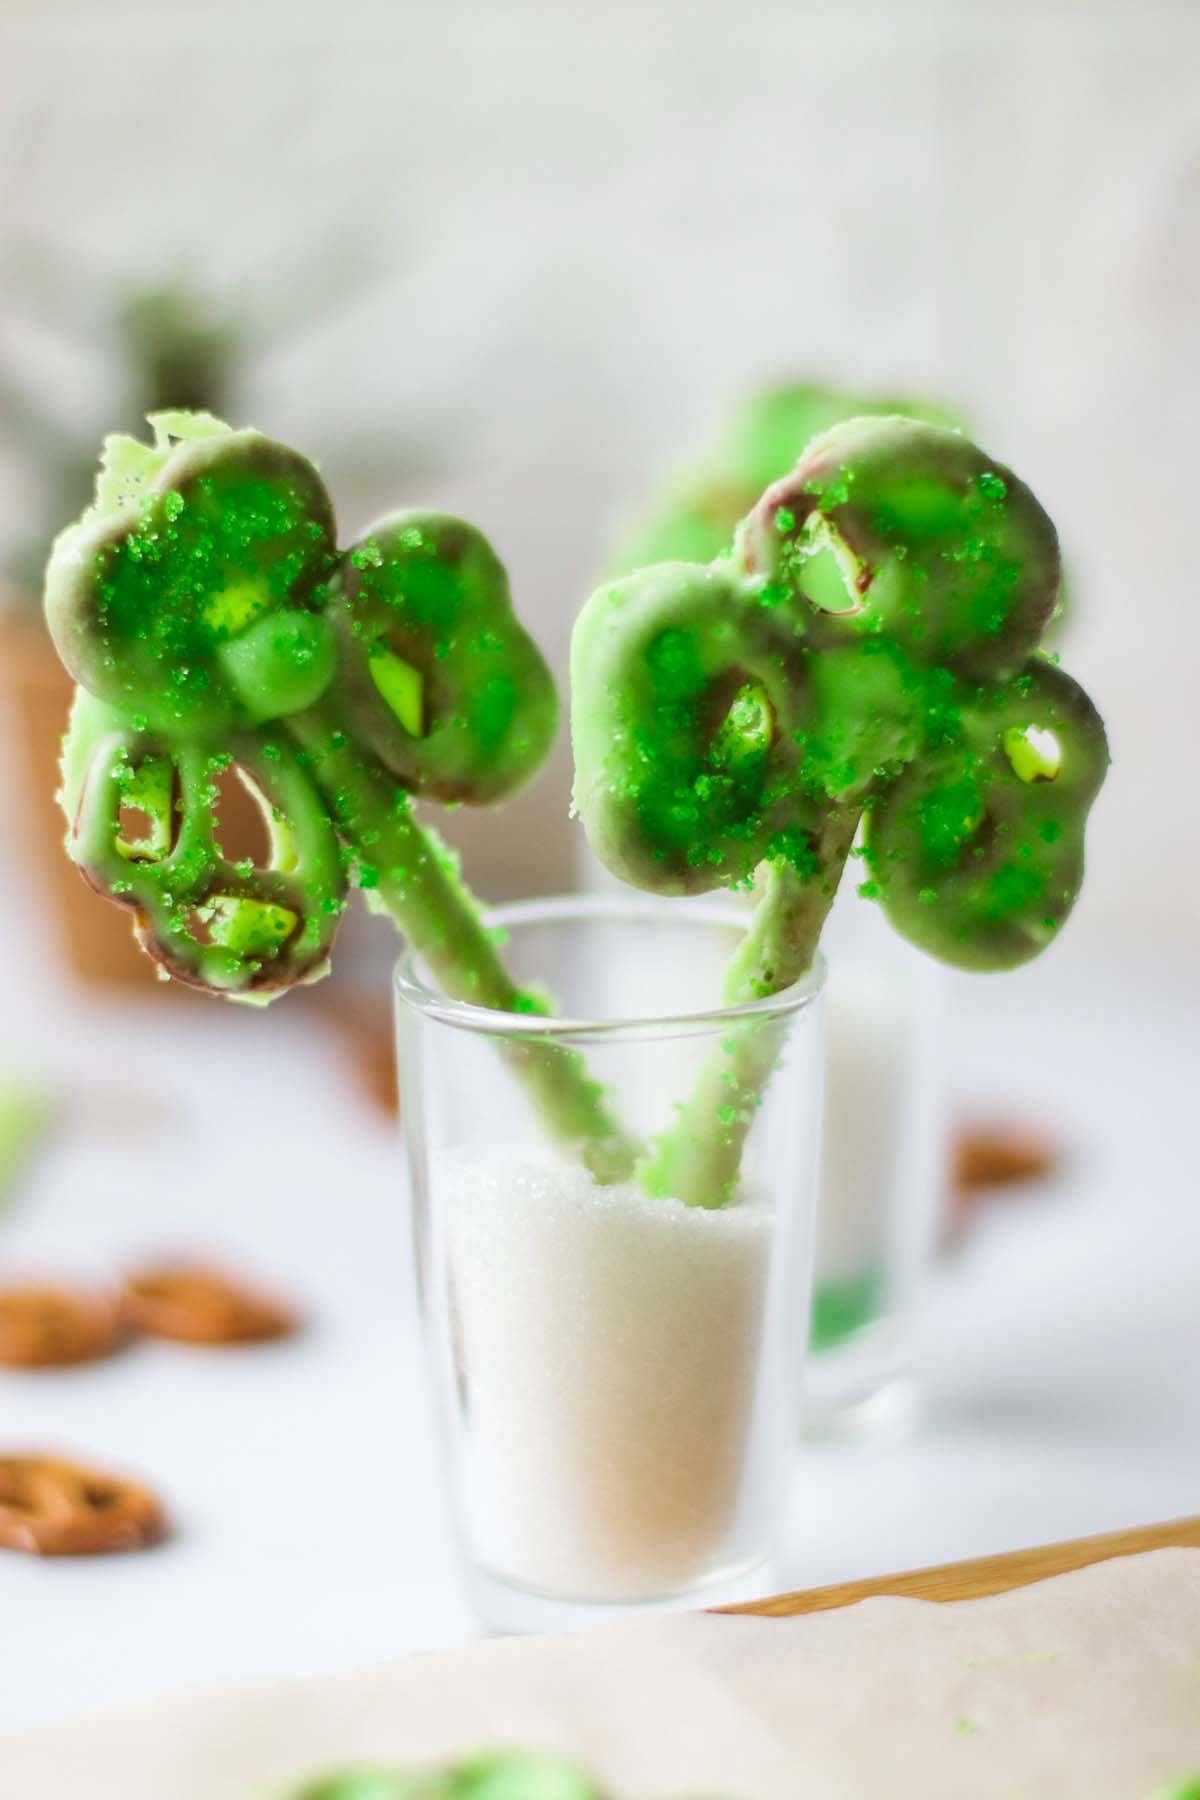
<point x="867" y="653"/>
<point x="203" y="608"/>
<point x="699" y="1158"/>
<point x="413" y="878"/>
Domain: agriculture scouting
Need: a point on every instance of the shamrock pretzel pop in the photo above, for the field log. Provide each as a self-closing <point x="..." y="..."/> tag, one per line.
<point x="203" y="608"/>
<point x="185" y="608"/>
<point x="867" y="655"/>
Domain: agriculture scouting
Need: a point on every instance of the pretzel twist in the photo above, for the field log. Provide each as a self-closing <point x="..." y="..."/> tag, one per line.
<point x="689" y="700"/>
<point x="891" y="526"/>
<point x="52" y="1507"/>
<point x="977" y="847"/>
<point x="193" y="604"/>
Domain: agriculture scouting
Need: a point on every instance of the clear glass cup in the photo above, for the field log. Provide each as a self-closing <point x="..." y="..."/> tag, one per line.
<point x="882" y="1176"/>
<point x="615" y="1376"/>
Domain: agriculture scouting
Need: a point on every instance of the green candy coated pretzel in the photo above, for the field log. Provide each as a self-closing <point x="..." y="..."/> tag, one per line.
<point x="445" y="684"/>
<point x="689" y="700"/>
<point x="867" y="652"/>
<point x="936" y="545"/>
<point x="504" y="1775"/>
<point x="229" y="928"/>
<point x="977" y="847"/>
<point x="517" y="1776"/>
<point x="192" y="603"/>
<point x="376" y="1784"/>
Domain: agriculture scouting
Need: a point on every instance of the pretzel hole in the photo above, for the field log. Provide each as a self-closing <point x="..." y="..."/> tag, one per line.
<point x="1034" y="753"/>
<point x="243" y="819"/>
<point x="233" y="609"/>
<point x="242" y="925"/>
<point x="747" y="731"/>
<point x="147" y="818"/>
<point x="825" y="570"/>
<point x="401" y="687"/>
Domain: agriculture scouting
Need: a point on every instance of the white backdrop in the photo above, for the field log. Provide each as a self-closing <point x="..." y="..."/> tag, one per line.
<point x="591" y="226"/>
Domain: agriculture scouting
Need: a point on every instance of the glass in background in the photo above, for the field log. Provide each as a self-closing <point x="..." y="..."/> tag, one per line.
<point x="883" y="1173"/>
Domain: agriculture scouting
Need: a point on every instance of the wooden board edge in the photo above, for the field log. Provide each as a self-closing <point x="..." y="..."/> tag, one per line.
<point x="983" y="1575"/>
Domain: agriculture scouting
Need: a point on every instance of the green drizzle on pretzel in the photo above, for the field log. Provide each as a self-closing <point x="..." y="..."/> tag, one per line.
<point x="866" y="657"/>
<point x="210" y="621"/>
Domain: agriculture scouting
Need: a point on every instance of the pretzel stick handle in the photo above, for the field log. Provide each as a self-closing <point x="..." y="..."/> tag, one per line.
<point x="417" y="884"/>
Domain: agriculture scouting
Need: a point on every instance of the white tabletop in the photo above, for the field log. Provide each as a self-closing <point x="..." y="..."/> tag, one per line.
<point x="1060" y="1342"/>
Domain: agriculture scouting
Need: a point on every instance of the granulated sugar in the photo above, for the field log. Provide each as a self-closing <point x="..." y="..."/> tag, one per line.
<point x="609" y="1346"/>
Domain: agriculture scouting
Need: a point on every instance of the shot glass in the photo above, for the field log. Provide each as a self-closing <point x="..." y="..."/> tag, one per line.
<point x="614" y="1373"/>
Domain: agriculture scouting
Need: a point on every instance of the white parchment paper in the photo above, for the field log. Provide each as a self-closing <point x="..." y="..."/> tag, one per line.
<point x="1086" y="1687"/>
